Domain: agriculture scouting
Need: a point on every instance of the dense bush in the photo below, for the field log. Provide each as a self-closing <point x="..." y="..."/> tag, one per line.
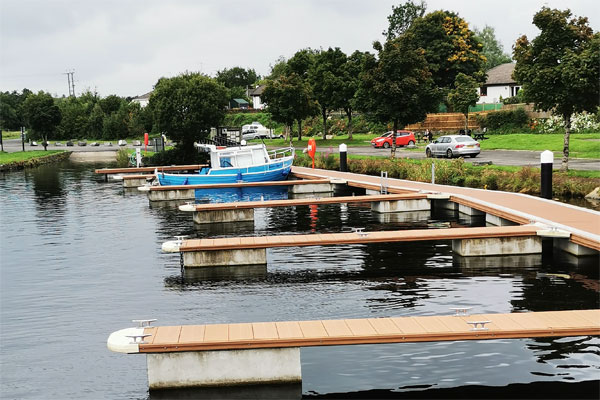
<point x="177" y="155"/>
<point x="505" y="121"/>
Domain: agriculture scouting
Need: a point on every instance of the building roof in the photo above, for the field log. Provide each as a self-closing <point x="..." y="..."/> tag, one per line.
<point x="257" y="91"/>
<point x="145" y="96"/>
<point x="240" y="101"/>
<point x="501" y="75"/>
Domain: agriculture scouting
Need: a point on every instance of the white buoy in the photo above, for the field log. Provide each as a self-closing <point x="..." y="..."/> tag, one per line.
<point x="188" y="207"/>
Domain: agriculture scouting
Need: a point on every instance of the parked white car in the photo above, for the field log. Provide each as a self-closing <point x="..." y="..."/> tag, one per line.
<point x="256" y="130"/>
<point x="453" y="146"/>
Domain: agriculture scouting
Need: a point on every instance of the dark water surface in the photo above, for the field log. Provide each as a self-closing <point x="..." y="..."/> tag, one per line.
<point x="80" y="258"/>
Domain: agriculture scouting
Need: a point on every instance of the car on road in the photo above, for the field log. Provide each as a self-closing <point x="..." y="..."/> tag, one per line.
<point x="256" y="130"/>
<point x="403" y="138"/>
<point x="453" y="146"/>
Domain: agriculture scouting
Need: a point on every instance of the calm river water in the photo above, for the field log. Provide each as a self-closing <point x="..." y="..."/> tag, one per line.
<point x="80" y="258"/>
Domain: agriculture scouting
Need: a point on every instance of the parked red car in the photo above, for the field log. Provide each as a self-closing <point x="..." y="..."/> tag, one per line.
<point x="403" y="138"/>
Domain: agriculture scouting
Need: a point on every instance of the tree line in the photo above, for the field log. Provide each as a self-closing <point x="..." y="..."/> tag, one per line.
<point x="426" y="59"/>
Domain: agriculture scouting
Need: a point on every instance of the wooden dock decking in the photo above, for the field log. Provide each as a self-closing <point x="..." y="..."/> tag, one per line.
<point x="243" y="184"/>
<point x="256" y="242"/>
<point x="137" y="170"/>
<point x="307" y="201"/>
<point x="583" y="224"/>
<point x="369" y="331"/>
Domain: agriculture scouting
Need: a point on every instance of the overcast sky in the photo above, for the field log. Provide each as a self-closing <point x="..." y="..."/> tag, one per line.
<point x="123" y="47"/>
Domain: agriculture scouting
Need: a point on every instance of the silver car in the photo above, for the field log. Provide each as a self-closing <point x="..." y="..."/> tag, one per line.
<point x="453" y="146"/>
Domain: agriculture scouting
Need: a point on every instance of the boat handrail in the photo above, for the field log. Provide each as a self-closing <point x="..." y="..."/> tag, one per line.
<point x="282" y="152"/>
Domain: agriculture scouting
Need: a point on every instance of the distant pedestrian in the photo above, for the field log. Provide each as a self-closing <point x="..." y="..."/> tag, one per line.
<point x="427" y="135"/>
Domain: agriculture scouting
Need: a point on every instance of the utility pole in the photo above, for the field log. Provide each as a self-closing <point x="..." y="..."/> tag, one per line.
<point x="70" y="82"/>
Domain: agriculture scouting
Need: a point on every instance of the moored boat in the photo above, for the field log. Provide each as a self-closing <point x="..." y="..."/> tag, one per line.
<point x="236" y="164"/>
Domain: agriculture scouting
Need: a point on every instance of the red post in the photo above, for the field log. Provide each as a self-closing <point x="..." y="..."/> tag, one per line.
<point x="146" y="141"/>
<point x="312" y="149"/>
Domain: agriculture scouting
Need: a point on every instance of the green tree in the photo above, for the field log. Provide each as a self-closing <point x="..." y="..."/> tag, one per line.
<point x="559" y="68"/>
<point x="237" y="77"/>
<point x="95" y="122"/>
<point x="492" y="49"/>
<point x="450" y="47"/>
<point x="111" y="104"/>
<point x="289" y="99"/>
<point x="326" y="76"/>
<point x="464" y="95"/>
<point x="11" y="109"/>
<point x="351" y="72"/>
<point x="402" y="17"/>
<point x="278" y="69"/>
<point x="397" y="86"/>
<point x="42" y="115"/>
<point x="185" y="107"/>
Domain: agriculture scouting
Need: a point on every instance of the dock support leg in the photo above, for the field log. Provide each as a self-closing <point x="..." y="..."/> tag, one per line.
<point x="166" y="195"/>
<point x="312" y="188"/>
<point x="573" y="248"/>
<point x="497" y="246"/>
<point x="400" y="205"/>
<point x="219" y="216"/>
<point x="224" y="368"/>
<point x="217" y="258"/>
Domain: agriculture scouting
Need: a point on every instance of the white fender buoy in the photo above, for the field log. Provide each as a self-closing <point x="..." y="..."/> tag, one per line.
<point x="188" y="207"/>
<point x="172" y="246"/>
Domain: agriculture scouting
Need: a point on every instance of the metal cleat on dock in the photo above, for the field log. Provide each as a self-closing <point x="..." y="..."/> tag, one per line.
<point x="189" y="206"/>
<point x="478" y="325"/>
<point x="461" y="311"/>
<point x="172" y="246"/>
<point x="360" y="232"/>
<point x="143" y="323"/>
<point x="138" y="339"/>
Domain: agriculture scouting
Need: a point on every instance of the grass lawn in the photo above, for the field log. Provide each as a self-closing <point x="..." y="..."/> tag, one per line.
<point x="11" y="135"/>
<point x="17" y="156"/>
<point x="581" y="145"/>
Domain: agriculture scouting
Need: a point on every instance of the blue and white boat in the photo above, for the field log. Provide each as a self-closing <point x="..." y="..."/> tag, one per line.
<point x="236" y="164"/>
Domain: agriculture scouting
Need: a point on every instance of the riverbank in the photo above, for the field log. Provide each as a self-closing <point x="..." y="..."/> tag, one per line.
<point x="28" y="159"/>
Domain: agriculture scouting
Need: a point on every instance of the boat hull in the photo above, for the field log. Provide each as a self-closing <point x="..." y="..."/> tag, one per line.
<point x="269" y="172"/>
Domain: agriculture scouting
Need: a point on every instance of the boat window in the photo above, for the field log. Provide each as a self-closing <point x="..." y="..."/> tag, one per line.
<point x="244" y="160"/>
<point x="259" y="157"/>
<point x="226" y="162"/>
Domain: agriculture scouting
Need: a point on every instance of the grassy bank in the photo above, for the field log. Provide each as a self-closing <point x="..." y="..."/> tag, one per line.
<point x="459" y="173"/>
<point x="25" y="159"/>
<point x="581" y="145"/>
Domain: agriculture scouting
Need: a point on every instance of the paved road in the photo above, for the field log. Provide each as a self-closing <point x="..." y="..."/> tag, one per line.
<point x="496" y="157"/>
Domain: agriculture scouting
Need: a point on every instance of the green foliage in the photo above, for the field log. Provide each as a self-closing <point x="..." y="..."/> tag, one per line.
<point x="177" y="155"/>
<point x="42" y="115"/>
<point x="559" y="68"/>
<point x="505" y="121"/>
<point x="450" y="47"/>
<point x="402" y="17"/>
<point x="289" y="99"/>
<point x="11" y="109"/>
<point x="398" y="86"/>
<point x="464" y="95"/>
<point x="237" y="77"/>
<point x="123" y="158"/>
<point x="492" y="49"/>
<point x="185" y="107"/>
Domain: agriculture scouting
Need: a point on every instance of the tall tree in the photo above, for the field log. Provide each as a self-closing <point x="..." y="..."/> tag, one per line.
<point x="42" y="115"/>
<point x="450" y="47"/>
<point x="326" y="77"/>
<point x="492" y="50"/>
<point x="559" y="68"/>
<point x="397" y="86"/>
<point x="351" y="72"/>
<point x="185" y="107"/>
<point x="237" y="77"/>
<point x="289" y="99"/>
<point x="402" y="17"/>
<point x="464" y="95"/>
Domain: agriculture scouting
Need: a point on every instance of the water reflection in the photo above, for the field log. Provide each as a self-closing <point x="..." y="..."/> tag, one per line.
<point x="287" y="391"/>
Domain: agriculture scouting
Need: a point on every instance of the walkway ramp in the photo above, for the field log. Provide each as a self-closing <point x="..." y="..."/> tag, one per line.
<point x="300" y="202"/>
<point x="257" y="335"/>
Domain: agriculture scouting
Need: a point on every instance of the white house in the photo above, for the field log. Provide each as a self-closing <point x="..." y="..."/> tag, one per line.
<point x="142" y="100"/>
<point x="499" y="84"/>
<point x="255" y="94"/>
